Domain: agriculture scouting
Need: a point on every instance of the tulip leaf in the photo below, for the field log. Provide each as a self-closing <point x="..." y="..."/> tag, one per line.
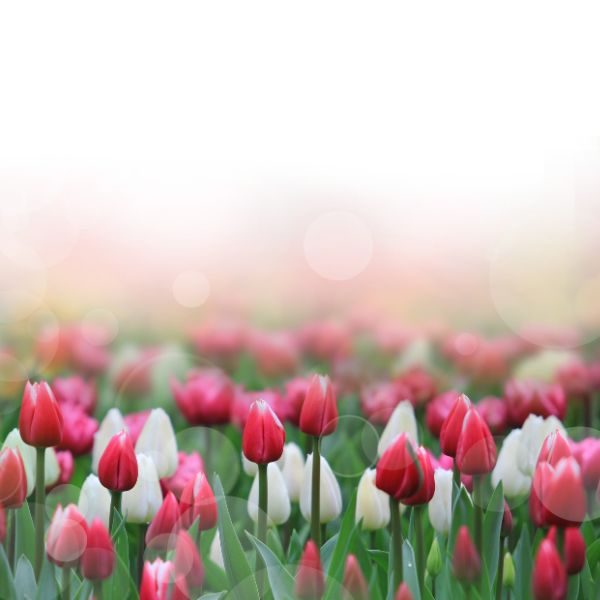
<point x="7" y="585"/>
<point x="523" y="561"/>
<point x="241" y="578"/>
<point x="25" y="533"/>
<point x="593" y="554"/>
<point x="83" y="591"/>
<point x="573" y="589"/>
<point x="47" y="586"/>
<point x="280" y="579"/>
<point x="213" y="596"/>
<point x="295" y="548"/>
<point x="274" y="543"/>
<point x="214" y="575"/>
<point x="587" y="583"/>
<point x="492" y="525"/>
<point x="120" y="583"/>
<point x="410" y="569"/>
<point x="343" y="541"/>
<point x="25" y="579"/>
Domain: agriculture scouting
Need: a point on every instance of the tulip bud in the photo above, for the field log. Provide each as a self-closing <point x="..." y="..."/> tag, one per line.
<point x="13" y="480"/>
<point x="118" y="468"/>
<point x="188" y="466"/>
<point x="67" y="537"/>
<point x="319" y="413"/>
<point x="157" y="440"/>
<point x="293" y="470"/>
<point x="514" y="483"/>
<point x="40" y="420"/>
<point x="508" y="572"/>
<point x="398" y="471"/>
<point x="427" y="486"/>
<point x="554" y="447"/>
<point x="563" y="495"/>
<point x="78" y="430"/>
<point x="465" y="560"/>
<point x="494" y="413"/>
<point x="434" y="559"/>
<point x="372" y="505"/>
<point x="141" y="503"/>
<point x="112" y="424"/>
<point x="165" y="525"/>
<point x="549" y="574"/>
<point x="440" y="507"/>
<point x="198" y="502"/>
<point x="533" y="433"/>
<point x="331" y="495"/>
<point x="278" y="502"/>
<point x="452" y="427"/>
<point x="355" y="584"/>
<point x="215" y="554"/>
<point x="574" y="550"/>
<point x="188" y="562"/>
<point x="476" y="451"/>
<point x="264" y="435"/>
<point x="310" y="581"/>
<point x="160" y="582"/>
<point x="402" y="421"/>
<point x="94" y="500"/>
<point x="403" y="593"/>
<point x="437" y="411"/>
<point x="590" y="466"/>
<point x="507" y="521"/>
<point x="98" y="560"/>
<point x="524" y="398"/>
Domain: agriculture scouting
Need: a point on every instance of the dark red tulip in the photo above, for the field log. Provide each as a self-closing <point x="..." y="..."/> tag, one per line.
<point x="355" y="584"/>
<point x="293" y="398"/>
<point x="319" y="412"/>
<point x="98" y="561"/>
<point x="198" y="502"/>
<point x="574" y="550"/>
<point x="438" y="410"/>
<point x="466" y="562"/>
<point x="118" y="468"/>
<point x="13" y="480"/>
<point x="165" y="524"/>
<point x="494" y="413"/>
<point x="187" y="560"/>
<point x="476" y="451"/>
<point x="67" y="536"/>
<point x="549" y="574"/>
<point x="264" y="436"/>
<point x="427" y="486"/>
<point x="398" y="470"/>
<point x="310" y="581"/>
<point x="524" y="398"/>
<point x="452" y="427"/>
<point x="40" y="420"/>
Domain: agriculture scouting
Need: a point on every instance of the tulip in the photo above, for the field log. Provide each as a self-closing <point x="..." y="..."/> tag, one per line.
<point x="397" y="472"/>
<point x="187" y="562"/>
<point x="514" y="482"/>
<point x="75" y="391"/>
<point x="434" y="561"/>
<point x="157" y="440"/>
<point x="94" y="501"/>
<point x="293" y="398"/>
<point x="403" y="593"/>
<point x="187" y="467"/>
<point x="452" y="427"/>
<point x="330" y="506"/>
<point x="278" y="504"/>
<point x="563" y="495"/>
<point x="264" y="436"/>
<point x="112" y="424"/>
<point x="134" y="423"/>
<point x="507" y="521"/>
<point x="508" y="571"/>
<point x="476" y="450"/>
<point x="372" y="505"/>
<point x="574" y="550"/>
<point x="402" y="421"/>
<point x="525" y="397"/>
<point x="437" y="411"/>
<point x="310" y="581"/>
<point x="494" y="413"/>
<point x="293" y="470"/>
<point x="355" y="584"/>
<point x="160" y="582"/>
<point x="78" y="430"/>
<point x="533" y="433"/>
<point x="141" y="503"/>
<point x="98" y="560"/>
<point x="554" y="448"/>
<point x="198" y="502"/>
<point x="440" y="507"/>
<point x="165" y="524"/>
<point x="420" y="384"/>
<point x="466" y="562"/>
<point x="378" y="401"/>
<point x="13" y="479"/>
<point x="66" y="466"/>
<point x="549" y="574"/>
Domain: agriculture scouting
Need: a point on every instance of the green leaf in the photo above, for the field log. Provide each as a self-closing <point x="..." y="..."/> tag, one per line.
<point x="25" y="533"/>
<point x="524" y="564"/>
<point x="47" y="586"/>
<point x="120" y="583"/>
<point x="280" y="579"/>
<point x="587" y="583"/>
<point x="492" y="524"/>
<point x="25" y="583"/>
<point x="295" y="548"/>
<point x="573" y="590"/>
<point x="347" y="531"/>
<point x="215" y="577"/>
<point x="7" y="585"/>
<point x="593" y="554"/>
<point x="241" y="578"/>
<point x="410" y="569"/>
<point x="212" y="596"/>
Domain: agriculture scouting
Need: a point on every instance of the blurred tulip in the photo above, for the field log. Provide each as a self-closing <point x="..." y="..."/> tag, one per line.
<point x="319" y="412"/>
<point x="397" y="471"/>
<point x="278" y="503"/>
<point x="67" y="536"/>
<point x="78" y="430"/>
<point x="94" y="500"/>
<point x="554" y="448"/>
<point x="293" y="470"/>
<point x="310" y="581"/>
<point x="440" y="507"/>
<point x="420" y="384"/>
<point x="293" y="398"/>
<point x="402" y="421"/>
<point x="187" y="561"/>
<point x="275" y="353"/>
<point x="187" y="467"/>
<point x="494" y="413"/>
<point x="476" y="451"/>
<point x="165" y="525"/>
<point x="198" y="502"/>
<point x="98" y="560"/>
<point x="403" y="593"/>
<point x="563" y="495"/>
<point x="575" y="379"/>
<point x="507" y="521"/>
<point x="132" y="370"/>
<point x="75" y="391"/>
<point x="508" y="572"/>
<point x="331" y="494"/>
<point x="378" y="401"/>
<point x="134" y="423"/>
<point x="438" y="410"/>
<point x="514" y="483"/>
<point x="118" y="467"/>
<point x="112" y="424"/>
<point x="466" y="562"/>
<point x="434" y="559"/>
<point x="524" y="398"/>
<point x="354" y="582"/>
<point x="160" y="582"/>
<point x="549" y="577"/>
<point x="264" y="435"/>
<point x="574" y="550"/>
<point x="140" y="503"/>
<point x="13" y="480"/>
<point x="372" y="505"/>
<point x="325" y="340"/>
<point x="157" y="440"/>
<point x="452" y="427"/>
<point x="533" y="433"/>
<point x="590" y="465"/>
<point x="66" y="466"/>
<point x="426" y="488"/>
<point x="40" y="419"/>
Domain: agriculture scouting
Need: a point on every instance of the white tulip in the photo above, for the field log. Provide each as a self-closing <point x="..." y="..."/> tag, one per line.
<point x="514" y="482"/>
<point x="215" y="554"/>
<point x="293" y="470"/>
<point x="331" y="495"/>
<point x="278" y="500"/>
<point x="157" y="440"/>
<point x="112" y="424"/>
<point x="419" y="353"/>
<point x="141" y="503"/>
<point x="533" y="433"/>
<point x="372" y="505"/>
<point x="51" y="466"/>
<point x="440" y="505"/>
<point x="402" y="421"/>
<point x="94" y="500"/>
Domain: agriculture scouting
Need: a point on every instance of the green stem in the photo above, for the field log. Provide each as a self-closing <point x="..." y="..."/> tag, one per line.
<point x="420" y="547"/>
<point x="40" y="505"/>
<point x="115" y="506"/>
<point x="478" y="501"/>
<point x="141" y="550"/>
<point x="500" y="570"/>
<point x="315" y="508"/>
<point x="396" y="542"/>
<point x="208" y="453"/>
<point x="587" y="410"/>
<point x="12" y="527"/>
<point x="373" y="539"/>
<point x="97" y="590"/>
<point x="263" y="507"/>
<point x="66" y="583"/>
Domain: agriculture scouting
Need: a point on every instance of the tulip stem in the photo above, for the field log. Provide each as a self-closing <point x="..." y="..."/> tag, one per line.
<point x="40" y="505"/>
<point x="263" y="507"/>
<point x="373" y="539"/>
<point x="208" y="452"/>
<point x="587" y="410"/>
<point x="12" y="527"/>
<point x="315" y="507"/>
<point x="500" y="569"/>
<point x="97" y="590"/>
<point x="420" y="547"/>
<point x="396" y="548"/>
<point x="141" y="550"/>
<point x="115" y="506"/>
<point x="478" y="501"/>
<point x="66" y="583"/>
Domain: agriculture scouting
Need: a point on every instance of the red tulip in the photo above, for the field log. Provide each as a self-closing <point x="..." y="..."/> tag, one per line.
<point x="427" y="486"/>
<point x="319" y="412"/>
<point x="159" y="582"/>
<point x="476" y="451"/>
<point x="378" y="401"/>
<point x="198" y="501"/>
<point x="98" y="560"/>
<point x="466" y="562"/>
<point x="494" y="413"/>
<point x="554" y="448"/>
<point x="75" y="391"/>
<point x="355" y="584"/>
<point x="420" y="384"/>
<point x="507" y="521"/>
<point x="452" y="427"/>
<point x="590" y="465"/>
<point x="563" y="495"/>
<point x="118" y="468"/>
<point x="575" y="378"/>
<point x="187" y="467"/>
<point x="398" y="470"/>
<point x="293" y="398"/>
<point x="542" y="473"/>
<point x="524" y="398"/>
<point x="40" y="420"/>
<point x="403" y="593"/>
<point x="13" y="480"/>
<point x="310" y="581"/>
<point x="574" y="550"/>
<point x="438" y="410"/>
<point x="67" y="537"/>
<point x="187" y="560"/>
<point x="165" y="524"/>
<point x="549" y="574"/>
<point x="264" y="435"/>
<point x="78" y="430"/>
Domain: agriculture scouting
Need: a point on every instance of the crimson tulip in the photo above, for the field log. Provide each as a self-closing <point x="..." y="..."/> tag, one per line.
<point x="319" y="413"/>
<point x="524" y="398"/>
<point x="437" y="411"/>
<point x="164" y="526"/>
<point x="476" y="450"/>
<point x="574" y="550"/>
<point x="549" y="577"/>
<point x="310" y="581"/>
<point x="98" y="560"/>
<point x="466" y="562"/>
<point x="13" y="479"/>
<point x="355" y="584"/>
<point x="159" y="582"/>
<point x="398" y="471"/>
<point x="426" y="488"/>
<point x="293" y="398"/>
<point x="67" y="536"/>
<point x="264" y="436"/>
<point x="118" y="468"/>
<point x="187" y="561"/>
<point x="198" y="502"/>
<point x="40" y="420"/>
<point x="452" y="427"/>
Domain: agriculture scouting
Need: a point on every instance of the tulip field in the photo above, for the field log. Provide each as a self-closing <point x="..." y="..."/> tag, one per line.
<point x="337" y="460"/>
